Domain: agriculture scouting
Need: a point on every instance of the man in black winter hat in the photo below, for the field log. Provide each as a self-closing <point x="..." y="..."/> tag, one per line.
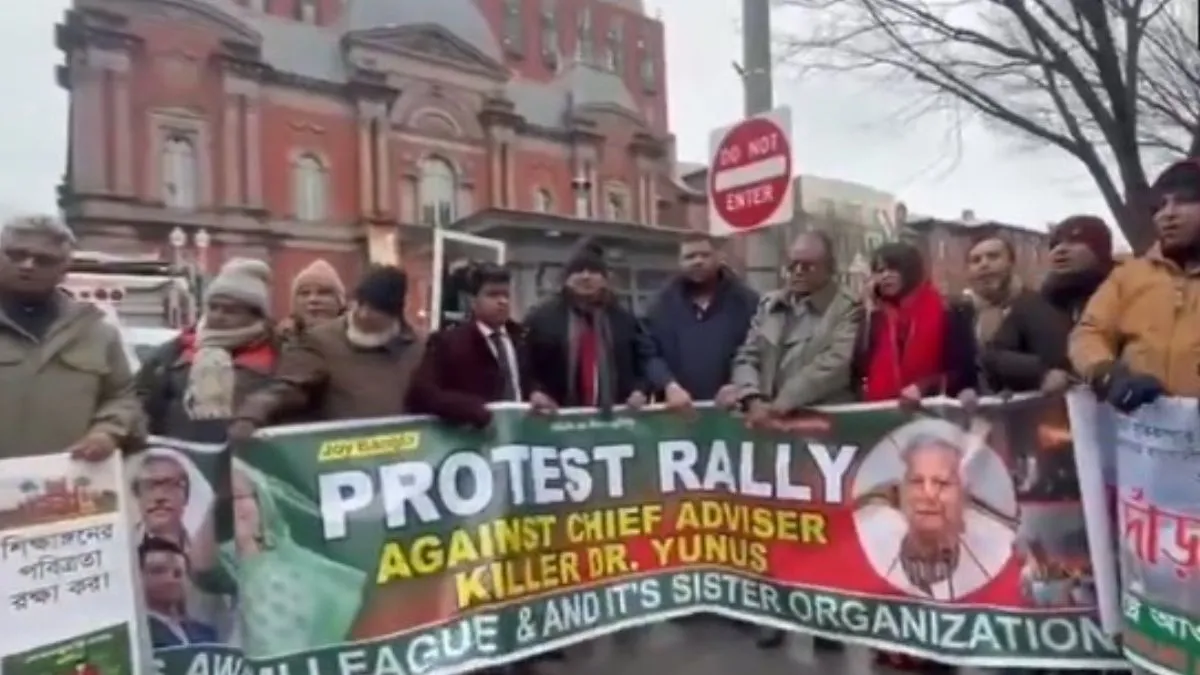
<point x="361" y="365"/>
<point x="590" y="351"/>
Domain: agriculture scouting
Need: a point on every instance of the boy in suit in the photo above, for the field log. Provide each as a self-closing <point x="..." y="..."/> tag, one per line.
<point x="477" y="361"/>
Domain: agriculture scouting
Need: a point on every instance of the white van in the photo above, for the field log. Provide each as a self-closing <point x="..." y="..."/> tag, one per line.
<point x="139" y="343"/>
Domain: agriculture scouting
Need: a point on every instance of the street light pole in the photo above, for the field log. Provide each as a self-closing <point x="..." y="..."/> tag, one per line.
<point x="763" y="248"/>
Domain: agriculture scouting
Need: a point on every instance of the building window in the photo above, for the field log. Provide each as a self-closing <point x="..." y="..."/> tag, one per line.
<point x="585" y="47"/>
<point x="647" y="68"/>
<point x="543" y="201"/>
<point x="306" y="11"/>
<point x="549" y="33"/>
<point x="179" y="173"/>
<point x="308" y="189"/>
<point x="615" y="49"/>
<point x="941" y="249"/>
<point x="874" y="241"/>
<point x="616" y="205"/>
<point x="514" y="38"/>
<point x="438" y="188"/>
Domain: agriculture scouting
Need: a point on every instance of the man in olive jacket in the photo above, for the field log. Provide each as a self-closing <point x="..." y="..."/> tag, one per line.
<point x="798" y="351"/>
<point x="65" y="382"/>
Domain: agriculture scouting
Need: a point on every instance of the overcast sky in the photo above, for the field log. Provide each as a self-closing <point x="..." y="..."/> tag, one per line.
<point x="843" y="129"/>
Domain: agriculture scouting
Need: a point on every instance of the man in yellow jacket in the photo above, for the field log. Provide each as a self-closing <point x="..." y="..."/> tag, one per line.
<point x="1139" y="337"/>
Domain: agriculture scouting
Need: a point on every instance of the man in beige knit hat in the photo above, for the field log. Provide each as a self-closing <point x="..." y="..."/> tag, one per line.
<point x="318" y="295"/>
<point x="191" y="386"/>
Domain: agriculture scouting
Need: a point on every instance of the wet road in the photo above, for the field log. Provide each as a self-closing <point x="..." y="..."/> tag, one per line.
<point x="710" y="647"/>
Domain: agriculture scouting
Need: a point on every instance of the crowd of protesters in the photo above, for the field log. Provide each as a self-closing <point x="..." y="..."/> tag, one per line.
<point x="1130" y="330"/>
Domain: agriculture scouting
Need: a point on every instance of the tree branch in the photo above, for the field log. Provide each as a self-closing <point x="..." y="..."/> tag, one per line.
<point x="1103" y="80"/>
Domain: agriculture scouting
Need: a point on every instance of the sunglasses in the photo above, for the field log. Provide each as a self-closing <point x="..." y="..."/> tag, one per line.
<point x="18" y="256"/>
<point x="802" y="266"/>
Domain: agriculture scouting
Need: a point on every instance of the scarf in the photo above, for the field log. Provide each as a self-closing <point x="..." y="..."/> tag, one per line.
<point x="590" y="380"/>
<point x="212" y="379"/>
<point x="907" y="349"/>
<point x="990" y="313"/>
<point x="364" y="340"/>
<point x="1069" y="292"/>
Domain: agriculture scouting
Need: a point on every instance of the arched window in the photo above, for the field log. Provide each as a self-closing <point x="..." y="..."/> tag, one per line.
<point x="308" y="189"/>
<point x="543" y="201"/>
<point x="179" y="173"/>
<point x="438" y="190"/>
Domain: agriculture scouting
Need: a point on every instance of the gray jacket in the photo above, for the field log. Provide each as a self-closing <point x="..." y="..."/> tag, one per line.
<point x="800" y="358"/>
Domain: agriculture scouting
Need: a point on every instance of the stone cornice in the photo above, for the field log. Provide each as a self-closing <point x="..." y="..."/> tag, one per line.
<point x="95" y="28"/>
<point x="370" y="85"/>
<point x="249" y="68"/>
<point x="428" y="43"/>
<point x="498" y="111"/>
<point x="647" y="146"/>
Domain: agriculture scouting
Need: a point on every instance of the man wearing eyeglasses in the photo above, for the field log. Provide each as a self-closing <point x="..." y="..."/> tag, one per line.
<point x="797" y="353"/>
<point x="65" y="383"/>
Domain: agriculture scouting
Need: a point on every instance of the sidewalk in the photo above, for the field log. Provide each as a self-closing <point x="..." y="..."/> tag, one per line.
<point x="708" y="647"/>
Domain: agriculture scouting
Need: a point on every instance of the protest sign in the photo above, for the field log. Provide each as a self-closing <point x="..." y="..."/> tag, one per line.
<point x="182" y="508"/>
<point x="1093" y="432"/>
<point x="409" y="546"/>
<point x="1158" y="527"/>
<point x="66" y="578"/>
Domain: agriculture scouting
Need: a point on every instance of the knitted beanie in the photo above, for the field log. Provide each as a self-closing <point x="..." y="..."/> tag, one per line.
<point x="323" y="275"/>
<point x="246" y="280"/>
<point x="383" y="289"/>
<point x="1090" y="231"/>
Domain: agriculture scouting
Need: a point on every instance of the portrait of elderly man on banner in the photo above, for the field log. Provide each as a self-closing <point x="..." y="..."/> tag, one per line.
<point x="936" y="511"/>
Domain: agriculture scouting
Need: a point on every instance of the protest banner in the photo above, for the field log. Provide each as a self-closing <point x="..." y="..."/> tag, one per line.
<point x="66" y="578"/>
<point x="409" y="546"/>
<point x="1153" y="501"/>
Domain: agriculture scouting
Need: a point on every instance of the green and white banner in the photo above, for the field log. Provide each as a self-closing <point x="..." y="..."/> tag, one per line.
<point x="406" y="546"/>
<point x="1149" y="464"/>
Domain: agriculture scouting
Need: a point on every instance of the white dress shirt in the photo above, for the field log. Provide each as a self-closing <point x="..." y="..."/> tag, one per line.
<point x="510" y="354"/>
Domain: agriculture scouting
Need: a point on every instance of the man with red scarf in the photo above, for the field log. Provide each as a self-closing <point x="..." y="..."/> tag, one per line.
<point x="913" y="344"/>
<point x="589" y="350"/>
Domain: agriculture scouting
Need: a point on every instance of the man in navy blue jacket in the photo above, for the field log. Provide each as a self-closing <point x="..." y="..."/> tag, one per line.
<point x="700" y="319"/>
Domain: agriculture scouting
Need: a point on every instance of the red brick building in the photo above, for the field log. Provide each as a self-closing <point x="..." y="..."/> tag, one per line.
<point x="945" y="243"/>
<point x="351" y="130"/>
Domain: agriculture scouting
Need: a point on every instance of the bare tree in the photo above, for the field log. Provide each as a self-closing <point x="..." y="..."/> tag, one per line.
<point x="1113" y="83"/>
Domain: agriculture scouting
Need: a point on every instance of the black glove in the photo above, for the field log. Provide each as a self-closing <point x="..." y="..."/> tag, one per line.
<point x="1127" y="391"/>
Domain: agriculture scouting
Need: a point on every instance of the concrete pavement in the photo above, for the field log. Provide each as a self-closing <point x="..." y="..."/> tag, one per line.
<point x="711" y="647"/>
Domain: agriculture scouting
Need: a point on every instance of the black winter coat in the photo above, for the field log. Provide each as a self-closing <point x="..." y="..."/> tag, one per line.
<point x="636" y="364"/>
<point x="1030" y="342"/>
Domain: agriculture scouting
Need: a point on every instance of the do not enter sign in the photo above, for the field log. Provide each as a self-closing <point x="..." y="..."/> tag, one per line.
<point x="750" y="174"/>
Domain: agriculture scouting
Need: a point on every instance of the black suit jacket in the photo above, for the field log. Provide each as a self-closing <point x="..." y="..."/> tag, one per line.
<point x="635" y="359"/>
